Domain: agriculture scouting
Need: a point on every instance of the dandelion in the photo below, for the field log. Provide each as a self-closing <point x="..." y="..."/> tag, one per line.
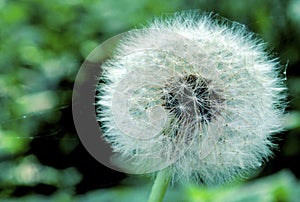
<point x="193" y="94"/>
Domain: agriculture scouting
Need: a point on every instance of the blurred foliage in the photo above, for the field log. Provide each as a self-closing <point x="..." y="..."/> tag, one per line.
<point x="42" y="45"/>
<point x="281" y="186"/>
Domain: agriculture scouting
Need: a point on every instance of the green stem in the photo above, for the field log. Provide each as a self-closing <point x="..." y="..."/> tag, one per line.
<point x="160" y="186"/>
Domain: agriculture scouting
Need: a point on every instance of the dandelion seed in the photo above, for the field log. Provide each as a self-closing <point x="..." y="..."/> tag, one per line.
<point x="197" y="95"/>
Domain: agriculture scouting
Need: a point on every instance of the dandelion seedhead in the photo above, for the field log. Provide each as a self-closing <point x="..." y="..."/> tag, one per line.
<point x="192" y="93"/>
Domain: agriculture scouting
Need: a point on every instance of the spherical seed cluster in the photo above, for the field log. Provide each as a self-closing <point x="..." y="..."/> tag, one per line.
<point x="197" y="95"/>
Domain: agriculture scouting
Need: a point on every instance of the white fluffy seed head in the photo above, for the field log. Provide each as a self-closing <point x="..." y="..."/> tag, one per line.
<point x="199" y="95"/>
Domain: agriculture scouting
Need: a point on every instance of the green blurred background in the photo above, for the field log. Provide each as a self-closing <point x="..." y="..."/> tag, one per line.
<point x="42" y="46"/>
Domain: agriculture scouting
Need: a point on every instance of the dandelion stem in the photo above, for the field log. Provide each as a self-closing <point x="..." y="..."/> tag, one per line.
<point x="160" y="186"/>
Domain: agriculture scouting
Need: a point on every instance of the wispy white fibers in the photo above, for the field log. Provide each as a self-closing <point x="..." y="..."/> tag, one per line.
<point x="192" y="93"/>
